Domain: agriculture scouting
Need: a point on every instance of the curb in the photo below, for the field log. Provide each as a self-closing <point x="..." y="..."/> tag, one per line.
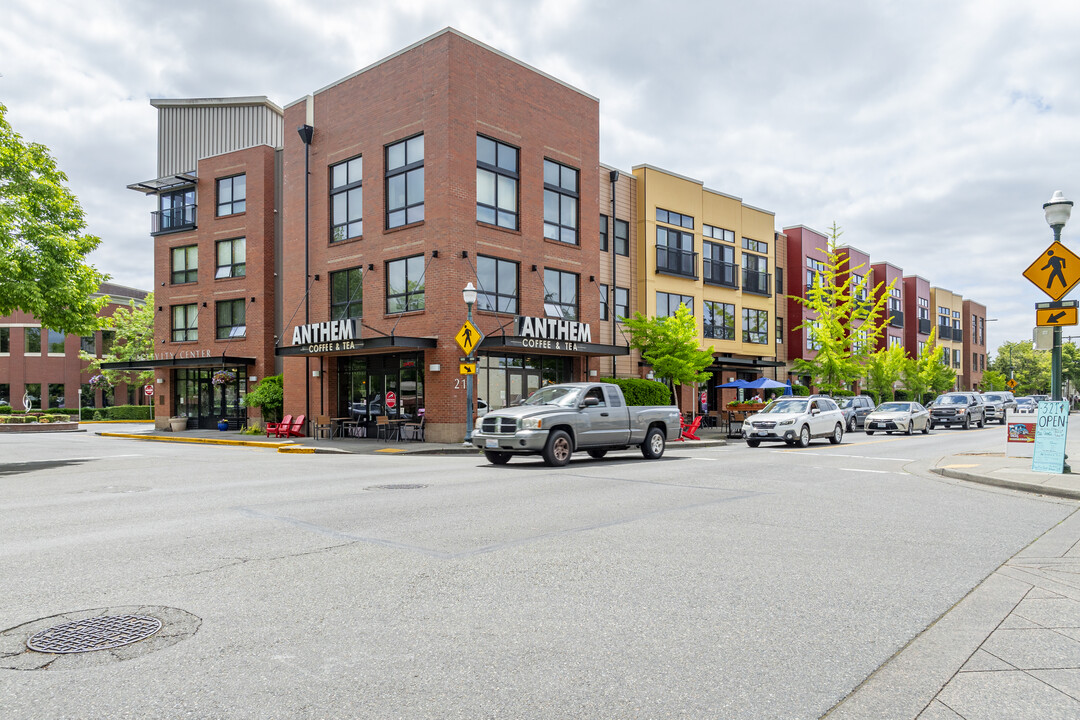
<point x="1009" y="484"/>
<point x="200" y="441"/>
<point x="114" y="422"/>
<point x="471" y="450"/>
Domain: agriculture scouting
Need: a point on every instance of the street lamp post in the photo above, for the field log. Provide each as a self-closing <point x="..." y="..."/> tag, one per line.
<point x="469" y="296"/>
<point x="1057" y="212"/>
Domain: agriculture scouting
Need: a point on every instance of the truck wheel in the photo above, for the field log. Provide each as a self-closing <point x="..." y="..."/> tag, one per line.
<point x="753" y="443"/>
<point x="837" y="435"/>
<point x="558" y="449"/>
<point x="654" y="444"/>
<point x="967" y="422"/>
<point x="497" y="458"/>
<point x="1002" y="420"/>
<point x="597" y="453"/>
<point x="804" y="436"/>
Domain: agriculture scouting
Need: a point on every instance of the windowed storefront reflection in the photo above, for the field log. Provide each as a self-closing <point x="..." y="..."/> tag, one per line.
<point x="506" y="380"/>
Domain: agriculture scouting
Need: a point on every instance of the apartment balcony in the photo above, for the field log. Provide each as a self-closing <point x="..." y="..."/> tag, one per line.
<point x="720" y="273"/>
<point x="674" y="261"/>
<point x="756" y="282"/>
<point x="174" y="219"/>
<point x="924" y="326"/>
<point x="896" y="318"/>
<point x="958" y="335"/>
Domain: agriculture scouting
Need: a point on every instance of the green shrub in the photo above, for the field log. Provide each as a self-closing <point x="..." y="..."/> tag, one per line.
<point x="5" y="409"/>
<point x="642" y="392"/>
<point x="56" y="411"/>
<point x="797" y="389"/>
<point x="98" y="416"/>
<point x="269" y="396"/>
<point x="129" y="412"/>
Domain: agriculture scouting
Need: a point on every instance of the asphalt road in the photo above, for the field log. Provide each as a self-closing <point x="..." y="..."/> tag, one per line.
<point x="718" y="582"/>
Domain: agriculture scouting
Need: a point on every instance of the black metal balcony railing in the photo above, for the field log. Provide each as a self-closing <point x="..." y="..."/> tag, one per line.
<point x="755" y="282"/>
<point x="896" y="318"/>
<point x="676" y="261"/>
<point x="180" y="217"/>
<point x="958" y="335"/>
<point x="719" y="332"/>
<point x="924" y="326"/>
<point x="718" y="272"/>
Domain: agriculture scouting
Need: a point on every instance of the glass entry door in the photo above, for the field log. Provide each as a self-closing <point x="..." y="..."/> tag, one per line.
<point x="203" y="403"/>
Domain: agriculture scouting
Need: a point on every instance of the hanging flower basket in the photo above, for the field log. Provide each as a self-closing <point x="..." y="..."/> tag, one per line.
<point x="99" y="381"/>
<point x="223" y="377"/>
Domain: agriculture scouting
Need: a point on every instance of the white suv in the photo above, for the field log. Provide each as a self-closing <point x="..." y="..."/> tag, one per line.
<point x="795" y="421"/>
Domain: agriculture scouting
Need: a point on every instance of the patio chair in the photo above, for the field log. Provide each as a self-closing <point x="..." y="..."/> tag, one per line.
<point x="274" y="428"/>
<point x="295" y="430"/>
<point x="413" y="430"/>
<point x="382" y="427"/>
<point x="688" y="432"/>
<point x="322" y="427"/>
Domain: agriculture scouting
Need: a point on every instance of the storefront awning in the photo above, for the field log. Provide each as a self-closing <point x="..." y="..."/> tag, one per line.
<point x="200" y="361"/>
<point x="740" y="363"/>
<point x="357" y="347"/>
<point x="517" y="343"/>
<point x="162" y="184"/>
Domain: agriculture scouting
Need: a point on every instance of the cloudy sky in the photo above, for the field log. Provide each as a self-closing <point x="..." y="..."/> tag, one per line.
<point x="931" y="132"/>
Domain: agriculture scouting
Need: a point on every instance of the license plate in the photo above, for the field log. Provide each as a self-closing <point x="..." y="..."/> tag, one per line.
<point x="762" y="432"/>
<point x="491" y="443"/>
<point x="874" y="425"/>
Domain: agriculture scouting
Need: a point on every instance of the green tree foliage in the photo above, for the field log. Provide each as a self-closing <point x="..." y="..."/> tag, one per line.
<point x="849" y="320"/>
<point x="993" y="380"/>
<point x="134" y="328"/>
<point x="642" y="392"/>
<point x="927" y="373"/>
<point x="883" y="371"/>
<point x="42" y="244"/>
<point x="670" y="345"/>
<point x="1029" y="367"/>
<point x="269" y="396"/>
<point x="1070" y="363"/>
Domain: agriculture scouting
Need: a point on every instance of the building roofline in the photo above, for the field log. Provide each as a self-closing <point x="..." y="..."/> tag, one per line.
<point x="886" y="262"/>
<point x="429" y="38"/>
<point x="852" y="247"/>
<point x="252" y="100"/>
<point x="941" y="289"/>
<point x="920" y="277"/>
<point x="721" y="193"/>
<point x="806" y="227"/>
<point x="751" y="207"/>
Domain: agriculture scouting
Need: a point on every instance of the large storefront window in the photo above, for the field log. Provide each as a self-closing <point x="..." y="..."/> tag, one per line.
<point x="204" y="403"/>
<point x="363" y="384"/>
<point x="505" y="380"/>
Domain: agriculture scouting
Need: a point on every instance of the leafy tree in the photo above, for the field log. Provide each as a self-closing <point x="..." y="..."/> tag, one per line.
<point x="670" y="345"/>
<point x="1029" y="367"/>
<point x="927" y="373"/>
<point x="42" y="244"/>
<point x="134" y="340"/>
<point x="1070" y="363"/>
<point x="269" y="396"/>
<point x="850" y="319"/>
<point x="883" y="371"/>
<point x="993" y="380"/>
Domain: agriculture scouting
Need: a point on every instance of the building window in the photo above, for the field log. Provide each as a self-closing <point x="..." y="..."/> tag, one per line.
<point x="956" y="358"/>
<point x="718" y="322"/>
<point x="603" y="301"/>
<point x="560" y="202"/>
<point x="347" y="294"/>
<point x="779" y="331"/>
<point x="405" y="284"/>
<point x="32" y="391"/>
<point x="108" y="337"/>
<point x="5" y="341"/>
<point x="496" y="183"/>
<point x="347" y="199"/>
<point x="755" y="273"/>
<point x="498" y="280"/>
<point x="974" y="361"/>
<point x="177" y="211"/>
<point x="230" y="319"/>
<point x="675" y="252"/>
<point x="718" y="264"/>
<point x="858" y="288"/>
<point x="922" y="348"/>
<point x="755" y="245"/>
<point x="560" y="294"/>
<point x="56" y="342"/>
<point x="5" y="394"/>
<point x="622" y="303"/>
<point x="185" y="264"/>
<point x="86" y="344"/>
<point x="185" y="323"/>
<point x="231" y="195"/>
<point x="810" y="328"/>
<point x="668" y="303"/>
<point x="32" y="341"/>
<point x="716" y="233"/>
<point x="674" y="218"/>
<point x="405" y="182"/>
<point x="231" y="258"/>
<point x="779" y="281"/>
<point x="982" y="362"/>
<point x="755" y="326"/>
<point x="603" y="233"/>
<point x="622" y="238"/>
<point x="56" y="395"/>
<point x="895" y="341"/>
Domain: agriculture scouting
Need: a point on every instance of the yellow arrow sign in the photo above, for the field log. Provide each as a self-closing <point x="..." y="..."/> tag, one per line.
<point x="468" y="337"/>
<point x="1056" y="317"/>
<point x="467" y="368"/>
<point x="1056" y="271"/>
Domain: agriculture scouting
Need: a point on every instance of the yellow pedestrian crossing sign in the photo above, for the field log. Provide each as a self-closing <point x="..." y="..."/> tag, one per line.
<point x="468" y="337"/>
<point x="1056" y="271"/>
<point x="467" y="368"/>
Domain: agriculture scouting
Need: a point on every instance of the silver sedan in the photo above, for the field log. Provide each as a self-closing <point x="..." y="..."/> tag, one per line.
<point x="905" y="417"/>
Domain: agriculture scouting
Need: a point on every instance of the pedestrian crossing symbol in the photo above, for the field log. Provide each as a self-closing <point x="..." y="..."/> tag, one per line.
<point x="1056" y="271"/>
<point x="469" y="337"/>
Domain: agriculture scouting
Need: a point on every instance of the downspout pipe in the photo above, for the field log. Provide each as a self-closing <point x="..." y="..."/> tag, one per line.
<point x="613" y="176"/>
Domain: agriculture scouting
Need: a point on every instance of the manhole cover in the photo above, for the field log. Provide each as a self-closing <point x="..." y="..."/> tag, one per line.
<point x="401" y="486"/>
<point x="98" y="633"/>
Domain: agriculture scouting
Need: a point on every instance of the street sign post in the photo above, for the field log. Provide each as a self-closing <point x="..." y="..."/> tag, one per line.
<point x="1056" y="271"/>
<point x="468" y="337"/>
<point x="1011" y="384"/>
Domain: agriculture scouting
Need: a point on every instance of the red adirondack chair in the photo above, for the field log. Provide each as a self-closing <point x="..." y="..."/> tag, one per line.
<point x="296" y="430"/>
<point x="274" y="428"/>
<point x="688" y="431"/>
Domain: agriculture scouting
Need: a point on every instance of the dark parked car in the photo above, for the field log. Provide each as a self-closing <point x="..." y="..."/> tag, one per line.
<point x="958" y="408"/>
<point x="855" y="409"/>
<point x="998" y="404"/>
<point x="1026" y="405"/>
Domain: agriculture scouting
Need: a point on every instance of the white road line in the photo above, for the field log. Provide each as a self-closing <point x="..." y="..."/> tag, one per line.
<point x="879" y="472"/>
<point x="861" y="457"/>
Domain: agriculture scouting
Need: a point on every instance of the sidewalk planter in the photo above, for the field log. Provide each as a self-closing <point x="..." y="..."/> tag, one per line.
<point x="223" y="425"/>
<point x="176" y="424"/>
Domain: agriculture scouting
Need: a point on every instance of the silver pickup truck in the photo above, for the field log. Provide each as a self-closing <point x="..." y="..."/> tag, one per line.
<point x="559" y="420"/>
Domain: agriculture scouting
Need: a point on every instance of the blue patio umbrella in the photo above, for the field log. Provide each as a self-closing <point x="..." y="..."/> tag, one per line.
<point x="734" y="384"/>
<point x="764" y="383"/>
<point x="787" y="388"/>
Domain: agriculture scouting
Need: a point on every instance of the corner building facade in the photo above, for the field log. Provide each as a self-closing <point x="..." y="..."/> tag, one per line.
<point x="445" y="164"/>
